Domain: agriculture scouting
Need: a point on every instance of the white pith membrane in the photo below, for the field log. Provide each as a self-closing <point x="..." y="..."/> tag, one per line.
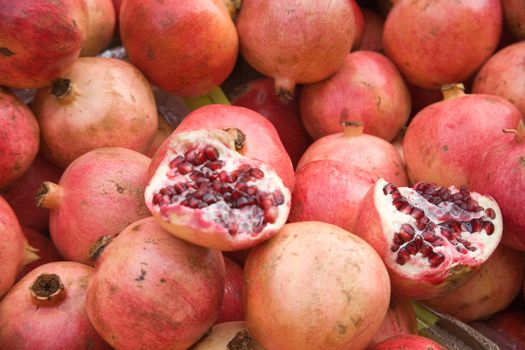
<point x="219" y="216"/>
<point x="454" y="253"/>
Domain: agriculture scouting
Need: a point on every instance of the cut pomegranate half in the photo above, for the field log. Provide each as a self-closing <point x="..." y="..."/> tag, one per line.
<point x="205" y="192"/>
<point x="430" y="238"/>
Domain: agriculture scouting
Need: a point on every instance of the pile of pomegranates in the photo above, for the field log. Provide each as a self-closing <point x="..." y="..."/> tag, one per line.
<point x="262" y="175"/>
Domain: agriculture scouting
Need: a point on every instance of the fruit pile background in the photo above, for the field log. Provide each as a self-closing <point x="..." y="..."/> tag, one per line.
<point x="244" y="174"/>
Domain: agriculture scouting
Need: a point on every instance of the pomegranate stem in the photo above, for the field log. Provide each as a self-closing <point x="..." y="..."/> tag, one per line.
<point x="451" y="91"/>
<point x="215" y="96"/>
<point x="49" y="195"/>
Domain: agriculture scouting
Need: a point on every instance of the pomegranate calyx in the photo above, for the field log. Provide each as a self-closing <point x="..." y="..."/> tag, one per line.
<point x="61" y="88"/>
<point x="451" y="91"/>
<point x="49" y="195"/>
<point x="241" y="341"/>
<point x="98" y="247"/>
<point x="352" y="128"/>
<point x="47" y="287"/>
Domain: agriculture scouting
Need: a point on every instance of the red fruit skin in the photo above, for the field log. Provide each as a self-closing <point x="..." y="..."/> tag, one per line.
<point x="11" y="247"/>
<point x="232" y="307"/>
<point x="159" y="285"/>
<point x="372" y="39"/>
<point x="101" y="25"/>
<point x="501" y="75"/>
<point x="45" y="249"/>
<point x="510" y="323"/>
<point x="26" y="324"/>
<point x="102" y="193"/>
<point x="445" y="141"/>
<point x="501" y="174"/>
<point x="407" y="342"/>
<point x="400" y="319"/>
<point x="491" y="290"/>
<point x="318" y="37"/>
<point x="18" y="138"/>
<point x="39" y="40"/>
<point x="514" y="11"/>
<point x="319" y="195"/>
<point x="259" y="95"/>
<point x="359" y="22"/>
<point x="262" y="140"/>
<point x="20" y="194"/>
<point x="185" y="47"/>
<point x="437" y="42"/>
<point x="367" y="88"/>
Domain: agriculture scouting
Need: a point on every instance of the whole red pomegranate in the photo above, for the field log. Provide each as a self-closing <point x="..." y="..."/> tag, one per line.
<point x="315" y="286"/>
<point x="47" y="310"/>
<point x="20" y="194"/>
<point x="227" y="335"/>
<point x="370" y="153"/>
<point x="437" y="42"/>
<point x="407" y="342"/>
<point x="18" y="138"/>
<point x="203" y="191"/>
<point x="43" y="247"/>
<point x="185" y="47"/>
<point x="501" y="174"/>
<point x="511" y="324"/>
<point x="100" y="28"/>
<point x="99" y="194"/>
<point x="100" y="102"/>
<point x="257" y="139"/>
<point x="232" y="307"/>
<point x="14" y="249"/>
<point x="329" y="191"/>
<point x="502" y="73"/>
<point x="400" y="319"/>
<point x="39" y="40"/>
<point x="445" y="141"/>
<point x="491" y="290"/>
<point x="372" y="39"/>
<point x="514" y="11"/>
<point x="152" y="290"/>
<point x="298" y="41"/>
<point x="367" y="88"/>
<point x="258" y="95"/>
<point x="430" y="238"/>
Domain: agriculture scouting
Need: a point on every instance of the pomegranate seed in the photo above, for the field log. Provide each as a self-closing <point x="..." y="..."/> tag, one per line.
<point x="234" y="175"/>
<point x="425" y="250"/>
<point x="195" y="175"/>
<point x="241" y="202"/>
<point x="236" y="195"/>
<point x="472" y="249"/>
<point x="422" y="223"/>
<point x="258" y="228"/>
<point x="411" y="248"/>
<point x="270" y="214"/>
<point x="200" y="158"/>
<point x="190" y="155"/>
<point x="406" y="209"/>
<point x="209" y="198"/>
<point x="408" y="228"/>
<point x="396" y="195"/>
<point x="214" y="165"/>
<point x="446" y="233"/>
<point x="461" y="249"/>
<point x="227" y="197"/>
<point x="241" y="186"/>
<point x="257" y="173"/>
<point x="489" y="227"/>
<point x="397" y="239"/>
<point x="429" y="236"/>
<point x="184" y="168"/>
<point x="436" y="259"/>
<point x="233" y="228"/>
<point x="226" y="189"/>
<point x="418" y="242"/>
<point x="405" y="236"/>
<point x="165" y="190"/>
<point x="278" y="197"/>
<point x="394" y="248"/>
<point x="211" y="153"/>
<point x="389" y="189"/>
<point x="157" y="198"/>
<point x="400" y="203"/>
<point x="490" y="213"/>
<point x="455" y="226"/>
<point x="199" y="194"/>
<point x="176" y="161"/>
<point x="402" y="257"/>
<point x="193" y="203"/>
<point x="417" y="213"/>
<point x="439" y="242"/>
<point x="202" y="205"/>
<point x="252" y="190"/>
<point x="266" y="203"/>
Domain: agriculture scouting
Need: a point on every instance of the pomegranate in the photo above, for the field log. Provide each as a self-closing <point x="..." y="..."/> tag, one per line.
<point x="319" y="35"/>
<point x="18" y="138"/>
<point x="14" y="249"/>
<point x="501" y="174"/>
<point x="99" y="194"/>
<point x="435" y="147"/>
<point x="46" y="310"/>
<point x="491" y="290"/>
<point x="352" y="147"/>
<point x="101" y="25"/>
<point x="437" y="42"/>
<point x="501" y="75"/>
<point x="372" y="39"/>
<point x="315" y="286"/>
<point x="329" y="191"/>
<point x="368" y="88"/>
<point x="204" y="192"/>
<point x="511" y="324"/>
<point x="20" y="194"/>
<point x="151" y="290"/>
<point x="39" y="40"/>
<point x="407" y="342"/>
<point x="258" y="95"/>
<point x="100" y="102"/>
<point x="359" y="22"/>
<point x="44" y="248"/>
<point x="261" y="140"/>
<point x="430" y="238"/>
<point x="185" y="47"/>
<point x="227" y="335"/>
<point x="514" y="11"/>
<point x="400" y="319"/>
<point x="232" y="308"/>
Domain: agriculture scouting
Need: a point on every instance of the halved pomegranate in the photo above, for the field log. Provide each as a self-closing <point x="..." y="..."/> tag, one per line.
<point x="430" y="238"/>
<point x="205" y="192"/>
